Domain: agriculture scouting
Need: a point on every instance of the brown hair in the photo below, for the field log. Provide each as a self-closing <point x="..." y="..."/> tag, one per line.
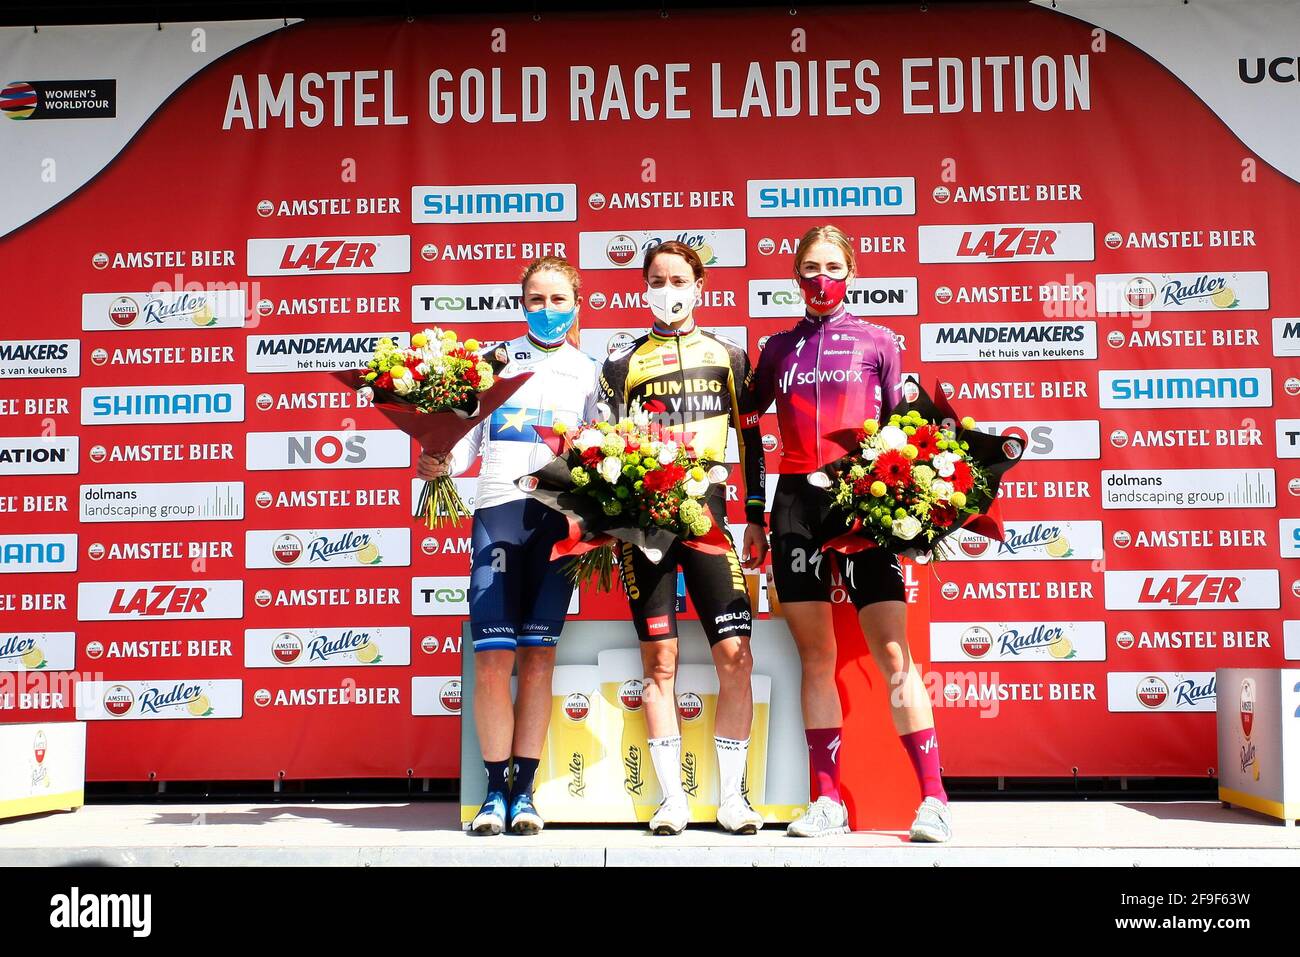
<point x="673" y="248"/>
<point x="555" y="264"/>
<point x="825" y="234"/>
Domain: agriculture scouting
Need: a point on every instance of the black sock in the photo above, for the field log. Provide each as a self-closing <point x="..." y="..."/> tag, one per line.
<point x="525" y="770"/>
<point x="496" y="774"/>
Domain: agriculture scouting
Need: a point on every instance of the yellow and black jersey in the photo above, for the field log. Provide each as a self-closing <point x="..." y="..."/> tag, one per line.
<point x="691" y="382"/>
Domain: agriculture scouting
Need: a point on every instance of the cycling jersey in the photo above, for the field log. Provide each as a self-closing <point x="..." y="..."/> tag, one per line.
<point x="826" y="374"/>
<point x="691" y="381"/>
<point x="563" y="388"/>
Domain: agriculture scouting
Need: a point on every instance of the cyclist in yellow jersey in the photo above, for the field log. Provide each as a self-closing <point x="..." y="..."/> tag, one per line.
<point x="691" y="382"/>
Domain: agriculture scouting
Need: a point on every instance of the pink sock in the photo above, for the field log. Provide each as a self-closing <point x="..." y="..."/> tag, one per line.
<point x="823" y="749"/>
<point x="923" y="748"/>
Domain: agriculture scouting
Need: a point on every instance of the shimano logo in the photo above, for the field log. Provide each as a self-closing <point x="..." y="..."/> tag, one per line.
<point x="847" y="198"/>
<point x="494" y="204"/>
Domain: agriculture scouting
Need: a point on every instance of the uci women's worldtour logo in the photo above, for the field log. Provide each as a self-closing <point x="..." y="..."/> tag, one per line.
<point x="1125" y="293"/>
<point x="513" y="203"/>
<point x="874" y="196"/>
<point x="59" y="99"/>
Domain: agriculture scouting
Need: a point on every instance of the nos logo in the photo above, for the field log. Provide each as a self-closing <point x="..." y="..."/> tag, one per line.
<point x="326" y="450"/>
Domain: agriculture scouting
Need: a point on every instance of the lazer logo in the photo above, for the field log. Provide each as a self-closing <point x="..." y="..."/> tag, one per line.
<point x="1007" y="242"/>
<point x="1185" y="590"/>
<point x="329" y="254"/>
<point x="158" y="600"/>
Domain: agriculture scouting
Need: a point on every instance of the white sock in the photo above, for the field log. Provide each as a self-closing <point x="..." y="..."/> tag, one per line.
<point x="732" y="755"/>
<point x="666" y="755"/>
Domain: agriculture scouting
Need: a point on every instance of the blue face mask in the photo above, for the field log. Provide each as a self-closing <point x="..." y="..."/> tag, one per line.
<point x="549" y="325"/>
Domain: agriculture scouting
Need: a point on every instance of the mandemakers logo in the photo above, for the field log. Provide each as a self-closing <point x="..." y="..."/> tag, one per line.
<point x="976" y="641"/>
<point x="449" y="695"/>
<point x="689" y="705"/>
<point x="621" y="249"/>
<point x="577" y="706"/>
<point x="1152" y="692"/>
<point x="630" y="693"/>
<point x="286" y="648"/>
<point x="118" y="700"/>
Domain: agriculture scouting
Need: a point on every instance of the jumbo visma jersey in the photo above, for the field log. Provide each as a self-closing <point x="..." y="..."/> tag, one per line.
<point x="562" y="389"/>
<point x="691" y="382"/>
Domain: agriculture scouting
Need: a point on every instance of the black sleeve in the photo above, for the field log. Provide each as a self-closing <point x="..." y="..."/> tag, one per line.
<point x="613" y="384"/>
<point x="749" y="438"/>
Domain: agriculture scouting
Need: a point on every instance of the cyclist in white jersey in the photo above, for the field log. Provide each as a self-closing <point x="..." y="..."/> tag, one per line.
<point x="518" y="596"/>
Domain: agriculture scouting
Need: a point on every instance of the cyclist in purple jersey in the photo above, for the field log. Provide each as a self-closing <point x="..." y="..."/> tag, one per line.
<point x="830" y="372"/>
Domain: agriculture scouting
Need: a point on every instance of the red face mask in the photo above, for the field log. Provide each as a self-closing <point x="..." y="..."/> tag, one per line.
<point x="823" y="293"/>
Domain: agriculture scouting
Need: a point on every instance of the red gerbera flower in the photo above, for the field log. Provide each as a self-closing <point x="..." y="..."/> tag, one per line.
<point x="962" y="480"/>
<point x="893" y="468"/>
<point x="942" y="515"/>
<point x="924" y="439"/>
<point x="663" y="479"/>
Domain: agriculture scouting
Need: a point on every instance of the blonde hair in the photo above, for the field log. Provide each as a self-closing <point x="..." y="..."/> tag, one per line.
<point x="825" y="234"/>
<point x="553" y="264"/>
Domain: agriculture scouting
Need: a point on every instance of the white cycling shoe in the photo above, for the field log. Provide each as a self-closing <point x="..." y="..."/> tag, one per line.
<point x="822" y="818"/>
<point x="672" y="816"/>
<point x="737" y="816"/>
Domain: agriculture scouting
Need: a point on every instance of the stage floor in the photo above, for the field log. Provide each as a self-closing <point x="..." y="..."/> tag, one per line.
<point x="1037" y="833"/>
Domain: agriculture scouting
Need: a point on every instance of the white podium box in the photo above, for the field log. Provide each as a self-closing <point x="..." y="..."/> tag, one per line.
<point x="42" y="767"/>
<point x="1259" y="740"/>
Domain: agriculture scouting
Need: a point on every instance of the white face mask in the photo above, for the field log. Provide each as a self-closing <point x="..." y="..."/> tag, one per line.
<point x="671" y="304"/>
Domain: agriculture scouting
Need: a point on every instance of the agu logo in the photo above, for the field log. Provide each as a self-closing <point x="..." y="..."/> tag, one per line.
<point x="630" y="694"/>
<point x="976" y="641"/>
<point x="119" y="700"/>
<point x="577" y="706"/>
<point x="287" y="549"/>
<point x="689" y="705"/>
<point x="286" y="648"/>
<point x="1152" y="692"/>
<point x="621" y="249"/>
<point x="449" y="695"/>
<point x="1247" y="705"/>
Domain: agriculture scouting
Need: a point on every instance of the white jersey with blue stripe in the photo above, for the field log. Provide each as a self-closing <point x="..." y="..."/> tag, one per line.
<point x="563" y="388"/>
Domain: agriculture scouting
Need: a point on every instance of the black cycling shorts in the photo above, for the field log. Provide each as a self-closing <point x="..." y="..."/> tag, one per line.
<point x="715" y="583"/>
<point x="801" y="570"/>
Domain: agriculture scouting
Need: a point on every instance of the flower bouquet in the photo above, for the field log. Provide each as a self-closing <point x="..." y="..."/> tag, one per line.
<point x="627" y="481"/>
<point x="913" y="478"/>
<point x="436" y="391"/>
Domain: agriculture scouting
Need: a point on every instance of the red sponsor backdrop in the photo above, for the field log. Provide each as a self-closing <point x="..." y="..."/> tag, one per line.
<point x="1037" y="667"/>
